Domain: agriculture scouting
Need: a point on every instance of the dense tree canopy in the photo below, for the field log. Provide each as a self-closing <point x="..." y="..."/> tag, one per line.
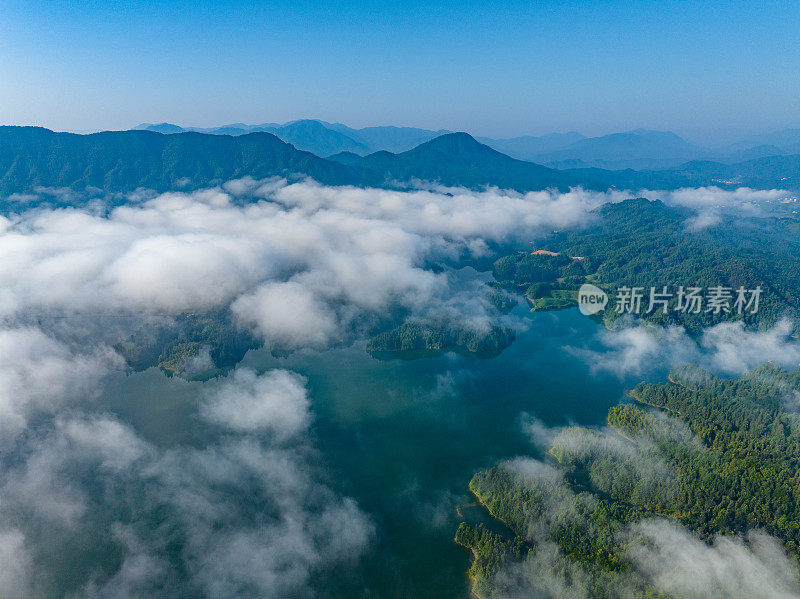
<point x="643" y="244"/>
<point x="719" y="456"/>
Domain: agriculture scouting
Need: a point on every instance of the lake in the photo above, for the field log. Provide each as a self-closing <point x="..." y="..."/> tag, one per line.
<point x="404" y="437"/>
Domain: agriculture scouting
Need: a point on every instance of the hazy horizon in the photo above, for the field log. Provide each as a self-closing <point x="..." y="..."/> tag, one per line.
<point x="709" y="143"/>
<point x="712" y="74"/>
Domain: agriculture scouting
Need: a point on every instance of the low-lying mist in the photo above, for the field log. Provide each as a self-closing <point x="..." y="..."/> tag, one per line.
<point x="91" y="507"/>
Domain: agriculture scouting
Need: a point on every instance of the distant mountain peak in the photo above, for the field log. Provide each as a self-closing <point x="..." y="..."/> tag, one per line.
<point x="306" y="123"/>
<point x="643" y="131"/>
<point x="455" y="143"/>
<point x="160" y="128"/>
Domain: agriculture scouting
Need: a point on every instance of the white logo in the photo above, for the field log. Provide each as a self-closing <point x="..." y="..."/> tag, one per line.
<point x="591" y="299"/>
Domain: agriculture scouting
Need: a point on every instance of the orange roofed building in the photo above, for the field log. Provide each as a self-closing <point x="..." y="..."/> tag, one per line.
<point x="549" y="253"/>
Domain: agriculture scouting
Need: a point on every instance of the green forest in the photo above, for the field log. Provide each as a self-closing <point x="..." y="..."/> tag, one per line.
<point x="177" y="345"/>
<point x="639" y="243"/>
<point x="717" y="456"/>
<point x="118" y="162"/>
<point x="411" y="338"/>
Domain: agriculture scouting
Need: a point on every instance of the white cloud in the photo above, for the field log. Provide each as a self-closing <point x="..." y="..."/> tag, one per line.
<point x="666" y="557"/>
<point x="732" y="349"/>
<point x="287" y="314"/>
<point x="113" y="445"/>
<point x="537" y="431"/>
<point x="701" y="198"/>
<point x="16" y="570"/>
<point x="726" y="348"/>
<point x="251" y="519"/>
<point x="299" y="263"/>
<point x="276" y="402"/>
<point x="248" y="511"/>
<point x="710" y="202"/>
<point x="634" y="349"/>
<point x="40" y="374"/>
<point x="681" y="565"/>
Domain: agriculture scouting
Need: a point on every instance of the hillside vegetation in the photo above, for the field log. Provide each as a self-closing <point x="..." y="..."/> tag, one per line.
<point x="717" y="456"/>
<point x="638" y="243"/>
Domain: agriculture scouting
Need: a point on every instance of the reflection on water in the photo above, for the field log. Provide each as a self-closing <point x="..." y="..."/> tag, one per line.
<point x="404" y="437"/>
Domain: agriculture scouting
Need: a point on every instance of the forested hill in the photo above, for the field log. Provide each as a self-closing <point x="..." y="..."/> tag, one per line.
<point x="457" y="159"/>
<point x="638" y="243"/>
<point x="119" y="161"/>
<point x="717" y="457"/>
<point x="770" y="172"/>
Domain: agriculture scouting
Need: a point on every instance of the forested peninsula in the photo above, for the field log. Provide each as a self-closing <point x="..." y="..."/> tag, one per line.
<point x="714" y="456"/>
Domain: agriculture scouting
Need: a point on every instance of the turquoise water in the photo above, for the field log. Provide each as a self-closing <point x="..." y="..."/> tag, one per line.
<point x="403" y="438"/>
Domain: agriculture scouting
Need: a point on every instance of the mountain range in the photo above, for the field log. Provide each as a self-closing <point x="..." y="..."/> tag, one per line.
<point x="639" y="149"/>
<point x="122" y="161"/>
<point x="458" y="159"/>
<point x="319" y="137"/>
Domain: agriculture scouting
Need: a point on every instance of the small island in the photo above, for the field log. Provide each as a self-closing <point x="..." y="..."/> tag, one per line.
<point x="190" y="345"/>
<point x="416" y="339"/>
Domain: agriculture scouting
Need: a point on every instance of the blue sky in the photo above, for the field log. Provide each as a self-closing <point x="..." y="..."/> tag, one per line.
<point x="707" y="70"/>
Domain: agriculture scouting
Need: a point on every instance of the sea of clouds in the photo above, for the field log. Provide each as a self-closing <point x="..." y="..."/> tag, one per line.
<point x="89" y="506"/>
